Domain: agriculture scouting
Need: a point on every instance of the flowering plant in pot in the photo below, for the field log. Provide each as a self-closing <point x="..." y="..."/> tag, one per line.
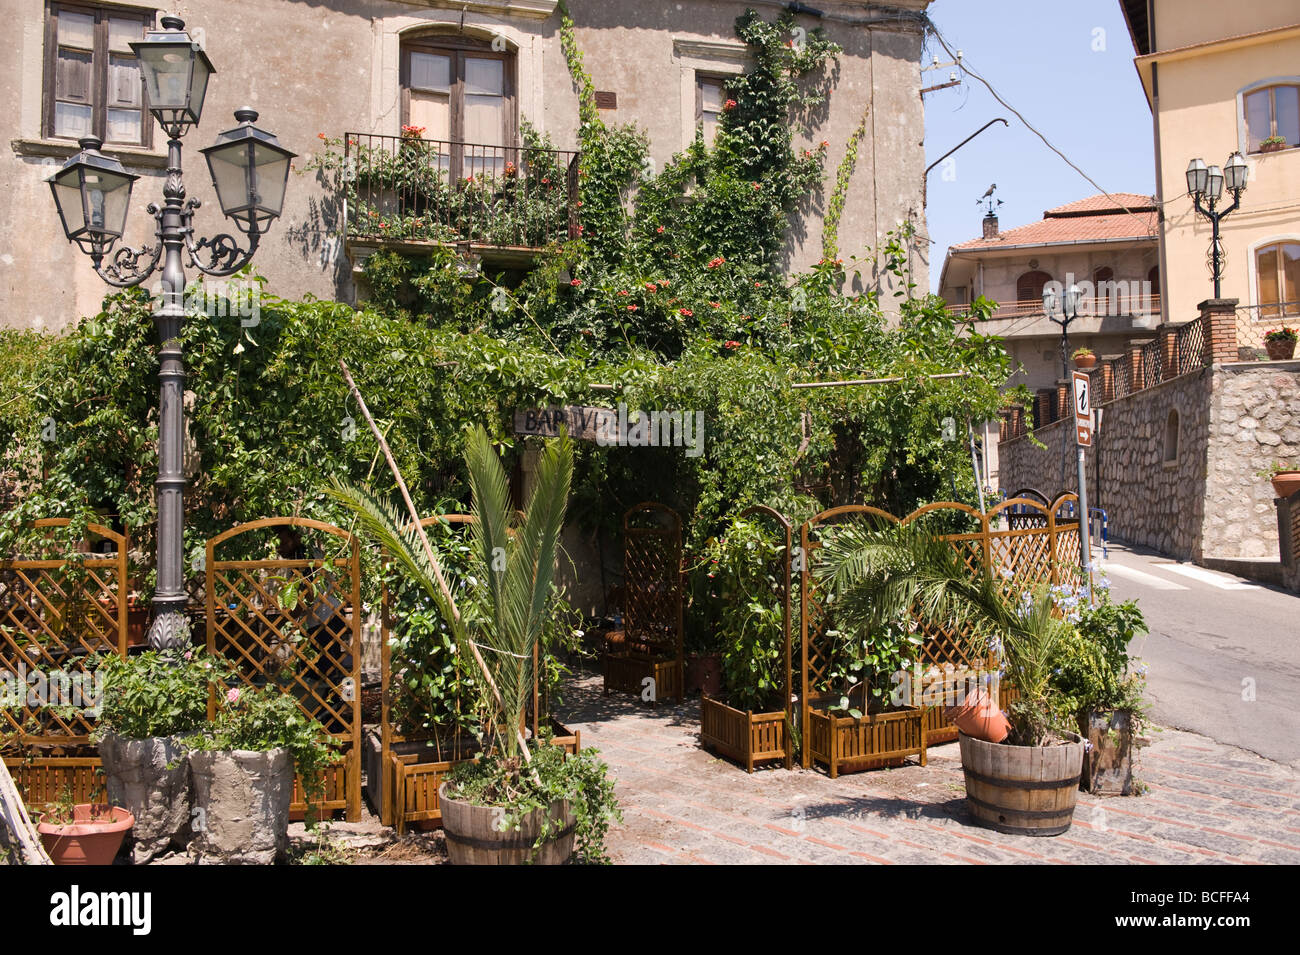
<point x="1027" y="784"/>
<point x="1272" y="144"/>
<point x="1084" y="359"/>
<point x="149" y="701"/>
<point x="1280" y="343"/>
<point x="1101" y="689"/>
<point x="243" y="765"/>
<point x="522" y="800"/>
<point x="83" y="833"/>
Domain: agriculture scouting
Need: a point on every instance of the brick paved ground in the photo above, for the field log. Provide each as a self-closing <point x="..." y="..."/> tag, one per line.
<point x="1207" y="803"/>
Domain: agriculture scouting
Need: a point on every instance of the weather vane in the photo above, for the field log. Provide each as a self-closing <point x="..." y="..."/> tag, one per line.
<point x="990" y="204"/>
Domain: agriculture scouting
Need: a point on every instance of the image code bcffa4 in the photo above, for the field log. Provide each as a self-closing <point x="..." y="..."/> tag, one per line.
<point x="1165" y="898"/>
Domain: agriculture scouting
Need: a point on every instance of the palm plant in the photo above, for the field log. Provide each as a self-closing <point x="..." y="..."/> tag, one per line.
<point x="885" y="575"/>
<point x="517" y="565"/>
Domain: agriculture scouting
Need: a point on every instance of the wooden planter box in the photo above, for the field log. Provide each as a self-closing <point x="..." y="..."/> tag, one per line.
<point x="626" y="672"/>
<point x="339" y="789"/>
<point x="846" y="744"/>
<point x="743" y="735"/>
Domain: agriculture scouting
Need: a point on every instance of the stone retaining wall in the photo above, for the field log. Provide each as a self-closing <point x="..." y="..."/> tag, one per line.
<point x="1202" y="498"/>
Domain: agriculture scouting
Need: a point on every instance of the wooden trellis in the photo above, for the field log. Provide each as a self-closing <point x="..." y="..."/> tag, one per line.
<point x="309" y="647"/>
<point x="57" y="616"/>
<point x="1044" y="550"/>
<point x="653" y="605"/>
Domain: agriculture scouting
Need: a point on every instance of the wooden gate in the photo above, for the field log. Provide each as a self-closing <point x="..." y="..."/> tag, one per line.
<point x="56" y="617"/>
<point x="295" y="623"/>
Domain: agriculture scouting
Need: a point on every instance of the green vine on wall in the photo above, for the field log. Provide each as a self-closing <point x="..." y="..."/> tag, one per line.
<point x="835" y="205"/>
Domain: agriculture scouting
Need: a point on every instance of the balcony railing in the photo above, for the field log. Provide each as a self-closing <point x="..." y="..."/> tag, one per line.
<point x="1089" y="307"/>
<point x="429" y="190"/>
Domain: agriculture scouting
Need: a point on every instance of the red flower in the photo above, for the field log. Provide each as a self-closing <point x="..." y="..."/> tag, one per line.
<point x="575" y="282"/>
<point x="757" y="186"/>
<point x="731" y="344"/>
<point x="825" y="144"/>
<point x="624" y="292"/>
<point x="651" y="287"/>
<point x="320" y="135"/>
<point x="729" y="105"/>
<point x="716" y="304"/>
<point x="758" y="285"/>
<point x="546" y="180"/>
<point x="663" y="283"/>
<point x="578" y="203"/>
<point x="631" y="308"/>
<point x="686" y="312"/>
<point x="716" y="261"/>
<point x="660" y="230"/>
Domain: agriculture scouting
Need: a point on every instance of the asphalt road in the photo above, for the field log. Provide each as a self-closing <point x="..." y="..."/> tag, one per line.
<point x="1223" y="653"/>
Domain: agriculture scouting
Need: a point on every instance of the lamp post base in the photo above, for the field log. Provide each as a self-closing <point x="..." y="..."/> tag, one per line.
<point x="170" y="630"/>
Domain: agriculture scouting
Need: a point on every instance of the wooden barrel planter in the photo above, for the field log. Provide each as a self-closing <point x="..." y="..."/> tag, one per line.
<point x="847" y="744"/>
<point x="1022" y="790"/>
<point x="747" y="737"/>
<point x="474" y="838"/>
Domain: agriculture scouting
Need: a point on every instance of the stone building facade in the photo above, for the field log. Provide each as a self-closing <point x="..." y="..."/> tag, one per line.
<point x="336" y="66"/>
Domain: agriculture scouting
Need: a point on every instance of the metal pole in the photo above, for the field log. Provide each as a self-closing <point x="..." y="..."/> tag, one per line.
<point x="170" y="628"/>
<point x="1085" y="551"/>
<point x="1214" y="248"/>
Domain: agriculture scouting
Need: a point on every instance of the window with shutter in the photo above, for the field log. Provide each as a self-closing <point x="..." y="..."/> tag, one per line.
<point x="92" y="78"/>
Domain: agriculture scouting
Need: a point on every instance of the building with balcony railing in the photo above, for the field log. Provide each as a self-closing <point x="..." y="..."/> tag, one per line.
<point x="453" y="123"/>
<point x="1104" y="244"/>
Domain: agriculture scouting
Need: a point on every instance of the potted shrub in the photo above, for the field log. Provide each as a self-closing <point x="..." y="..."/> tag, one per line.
<point x="243" y="765"/>
<point x="83" y="833"/>
<point x="521" y="800"/>
<point x="1280" y="343"/>
<point x="1285" y="479"/>
<point x="1272" y="144"/>
<point x="743" y="716"/>
<point x="149" y="700"/>
<point x="1027" y="784"/>
<point x="1084" y="359"/>
<point x="1103" y="692"/>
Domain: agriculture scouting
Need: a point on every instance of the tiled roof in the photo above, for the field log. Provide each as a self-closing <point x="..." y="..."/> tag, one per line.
<point x="1093" y="219"/>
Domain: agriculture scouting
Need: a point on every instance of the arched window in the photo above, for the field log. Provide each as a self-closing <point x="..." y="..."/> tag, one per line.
<point x="1171" y="437"/>
<point x="1277" y="274"/>
<point x="1029" y="289"/>
<point x="460" y="90"/>
<point x="1271" y="112"/>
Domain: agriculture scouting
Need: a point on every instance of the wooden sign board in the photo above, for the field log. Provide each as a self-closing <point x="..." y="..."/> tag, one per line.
<point x="584" y="423"/>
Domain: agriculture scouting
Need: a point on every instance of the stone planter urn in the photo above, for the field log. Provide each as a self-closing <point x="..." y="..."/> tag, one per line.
<point x="1286" y="483"/>
<point x="241" y="805"/>
<point x="150" y="778"/>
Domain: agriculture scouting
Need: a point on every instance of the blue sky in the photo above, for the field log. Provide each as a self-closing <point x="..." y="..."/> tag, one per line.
<point x="1040" y="57"/>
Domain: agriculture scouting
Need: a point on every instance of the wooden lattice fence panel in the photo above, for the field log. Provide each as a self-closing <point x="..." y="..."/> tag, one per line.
<point x="1043" y="548"/>
<point x="56" y="618"/>
<point x="309" y="647"/>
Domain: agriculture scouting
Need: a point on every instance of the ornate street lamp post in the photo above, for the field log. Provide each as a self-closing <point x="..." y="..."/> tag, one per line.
<point x="250" y="170"/>
<point x="1205" y="185"/>
<point x="1062" y="307"/>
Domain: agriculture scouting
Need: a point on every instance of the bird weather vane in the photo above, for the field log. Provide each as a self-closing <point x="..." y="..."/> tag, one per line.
<point x="990" y="204"/>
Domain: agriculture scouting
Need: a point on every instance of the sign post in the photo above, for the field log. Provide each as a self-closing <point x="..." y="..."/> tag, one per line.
<point x="1083" y="438"/>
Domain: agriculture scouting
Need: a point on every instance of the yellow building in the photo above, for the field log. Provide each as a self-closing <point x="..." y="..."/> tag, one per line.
<point x="1224" y="78"/>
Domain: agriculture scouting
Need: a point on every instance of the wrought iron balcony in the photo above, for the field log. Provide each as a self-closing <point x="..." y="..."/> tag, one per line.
<point x="507" y="200"/>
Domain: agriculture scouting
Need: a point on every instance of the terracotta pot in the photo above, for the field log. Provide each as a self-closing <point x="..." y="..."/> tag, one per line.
<point x="704" y="673"/>
<point x="1286" y="483"/>
<point x="1272" y="147"/>
<point x="1086" y="362"/>
<point x="1280" y="349"/>
<point x="979" y="717"/>
<point x="92" y="838"/>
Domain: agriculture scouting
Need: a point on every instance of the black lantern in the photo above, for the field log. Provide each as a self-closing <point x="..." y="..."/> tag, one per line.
<point x="1198" y="177"/>
<point x="92" y="192"/>
<point x="176" y="72"/>
<point x="250" y="170"/>
<point x="1234" y="173"/>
